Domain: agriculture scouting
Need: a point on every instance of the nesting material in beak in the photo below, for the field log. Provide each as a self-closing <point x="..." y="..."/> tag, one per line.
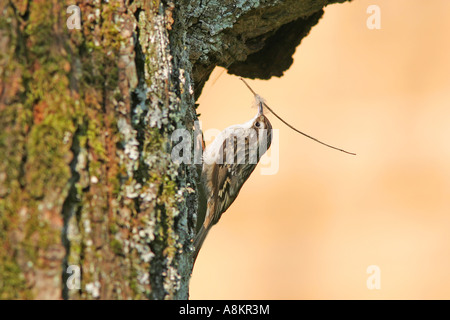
<point x="259" y="103"/>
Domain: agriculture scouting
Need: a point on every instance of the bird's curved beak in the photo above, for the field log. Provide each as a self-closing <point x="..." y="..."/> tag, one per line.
<point x="260" y="109"/>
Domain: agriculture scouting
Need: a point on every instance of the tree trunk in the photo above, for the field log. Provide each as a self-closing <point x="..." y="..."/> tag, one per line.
<point x="88" y="189"/>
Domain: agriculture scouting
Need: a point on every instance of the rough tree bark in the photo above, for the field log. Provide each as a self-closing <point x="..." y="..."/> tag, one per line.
<point x="86" y="177"/>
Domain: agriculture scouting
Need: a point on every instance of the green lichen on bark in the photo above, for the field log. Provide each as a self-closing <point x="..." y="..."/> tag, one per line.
<point x="160" y="182"/>
<point x="34" y="166"/>
<point x="139" y="225"/>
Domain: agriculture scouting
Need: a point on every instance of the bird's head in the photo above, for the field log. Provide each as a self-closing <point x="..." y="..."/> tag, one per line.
<point x="261" y="121"/>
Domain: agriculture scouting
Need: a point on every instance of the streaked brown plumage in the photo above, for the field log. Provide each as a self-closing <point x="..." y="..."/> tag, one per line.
<point x="227" y="164"/>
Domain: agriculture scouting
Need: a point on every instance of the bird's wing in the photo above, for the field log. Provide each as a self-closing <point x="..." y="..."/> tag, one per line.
<point x="227" y="180"/>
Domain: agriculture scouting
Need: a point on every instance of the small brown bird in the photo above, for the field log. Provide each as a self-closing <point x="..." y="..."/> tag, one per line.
<point x="241" y="146"/>
<point x="227" y="163"/>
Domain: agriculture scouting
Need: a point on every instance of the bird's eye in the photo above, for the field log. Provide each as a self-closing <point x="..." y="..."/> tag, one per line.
<point x="257" y="124"/>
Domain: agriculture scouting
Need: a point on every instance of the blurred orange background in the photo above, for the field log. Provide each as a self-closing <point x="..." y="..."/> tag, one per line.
<point x="311" y="230"/>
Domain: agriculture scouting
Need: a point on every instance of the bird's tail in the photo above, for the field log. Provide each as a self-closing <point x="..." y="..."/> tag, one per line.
<point x="198" y="241"/>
